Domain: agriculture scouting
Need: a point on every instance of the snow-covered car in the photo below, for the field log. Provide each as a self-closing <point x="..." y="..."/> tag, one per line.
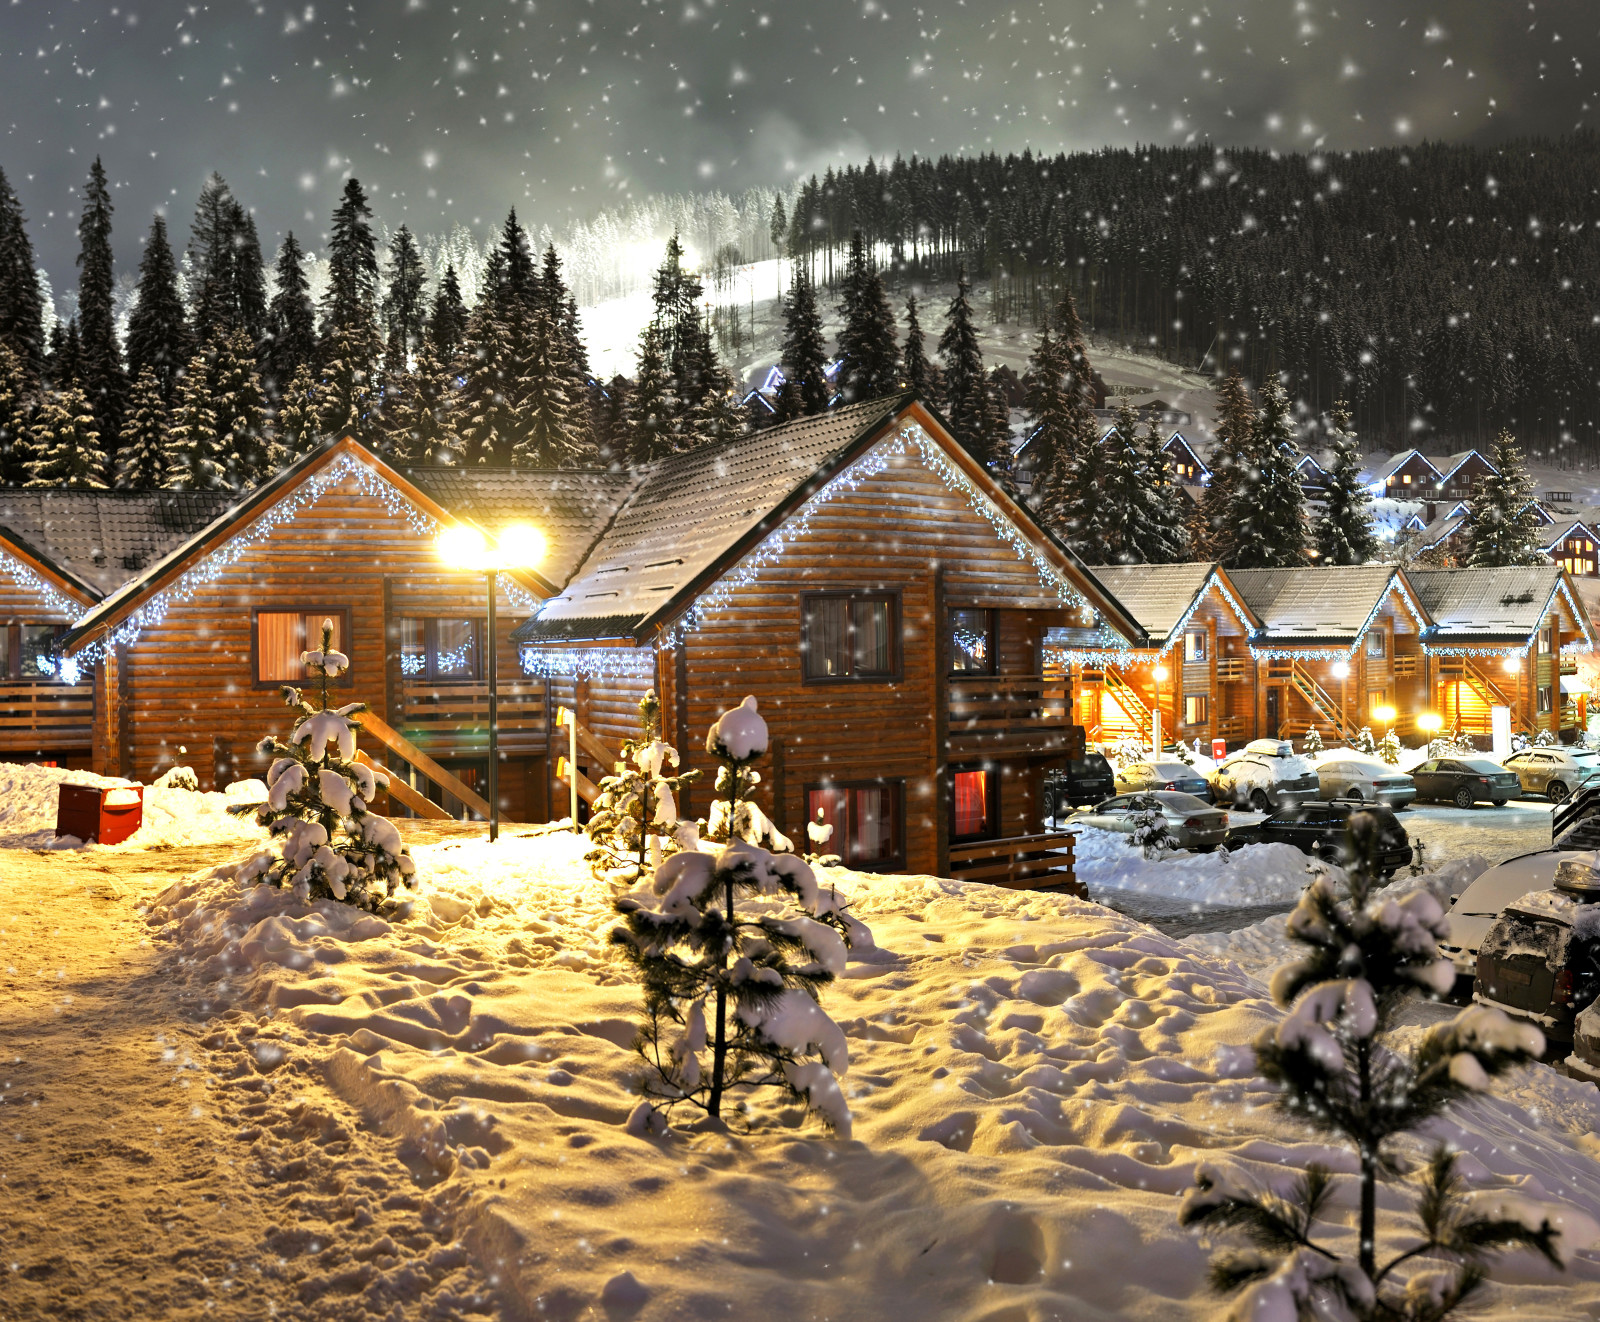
<point x="1138" y="776"/>
<point x="1191" y="823"/>
<point x="1540" y="959"/>
<point x="1365" y="781"/>
<point x="1475" y="910"/>
<point x="1555" y="772"/>
<point x="1264" y="774"/>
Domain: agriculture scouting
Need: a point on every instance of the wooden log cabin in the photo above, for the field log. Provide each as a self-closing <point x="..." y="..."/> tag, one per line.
<point x="188" y="657"/>
<point x="61" y="553"/>
<point x="1504" y="637"/>
<point x="886" y="603"/>
<point x="1196" y="630"/>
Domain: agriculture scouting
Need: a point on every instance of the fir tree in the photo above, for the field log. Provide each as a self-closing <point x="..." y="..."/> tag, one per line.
<point x="676" y="294"/>
<point x="1167" y="530"/>
<point x="327" y="842"/>
<point x="158" y="332"/>
<point x="640" y="796"/>
<point x="295" y="434"/>
<point x="649" y="409"/>
<point x="485" y="411"/>
<point x="66" y="443"/>
<point x="239" y="405"/>
<point x="16" y="446"/>
<point x="1344" y="528"/>
<point x="740" y="980"/>
<point x="868" y="356"/>
<point x="967" y="407"/>
<point x="1312" y="744"/>
<point x="916" y="373"/>
<point x="1079" y="514"/>
<point x="248" y="276"/>
<point x="404" y="309"/>
<point x="1127" y="503"/>
<point x="804" y="350"/>
<point x="1339" y="1071"/>
<point x="1060" y="423"/>
<point x="546" y="430"/>
<point x="142" y="455"/>
<point x="103" y="383"/>
<point x="778" y="232"/>
<point x="1501" y="527"/>
<point x="447" y="322"/>
<point x="1267" y="515"/>
<point x="194" y="461"/>
<point x="226" y="289"/>
<point x="610" y="422"/>
<point x="291" y="340"/>
<point x="21" y="302"/>
<point x="1236" y="429"/>
<point x="350" y="343"/>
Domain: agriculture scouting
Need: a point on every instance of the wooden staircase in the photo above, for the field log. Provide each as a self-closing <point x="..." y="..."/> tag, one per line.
<point x="1127" y="697"/>
<point x="413" y="756"/>
<point x="1320" y="700"/>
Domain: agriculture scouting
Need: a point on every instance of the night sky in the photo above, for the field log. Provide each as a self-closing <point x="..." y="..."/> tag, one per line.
<point x="453" y="112"/>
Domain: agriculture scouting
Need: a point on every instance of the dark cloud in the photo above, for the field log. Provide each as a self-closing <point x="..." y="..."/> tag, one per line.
<point x="453" y="112"/>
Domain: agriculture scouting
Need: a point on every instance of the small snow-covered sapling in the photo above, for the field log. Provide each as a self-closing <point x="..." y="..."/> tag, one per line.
<point x="1365" y="955"/>
<point x="1313" y="742"/>
<point x="638" y="804"/>
<point x="1389" y="750"/>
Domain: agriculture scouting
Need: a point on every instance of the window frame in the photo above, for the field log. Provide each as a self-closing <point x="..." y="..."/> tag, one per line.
<point x="991" y="807"/>
<point x="1204" y="699"/>
<point x="991" y="641"/>
<point x="1382" y="636"/>
<point x="430" y="649"/>
<point x="897" y="786"/>
<point x="896" y="671"/>
<point x="12" y="671"/>
<point x="346" y="645"/>
<point x="1546" y="699"/>
<point x="1197" y="655"/>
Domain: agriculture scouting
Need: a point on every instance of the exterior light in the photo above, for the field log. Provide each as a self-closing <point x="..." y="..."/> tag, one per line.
<point x="1341" y="669"/>
<point x="1161" y="672"/>
<point x="1428" y="722"/>
<point x="1513" y="665"/>
<point x="1384" y="714"/>
<point x="463" y="547"/>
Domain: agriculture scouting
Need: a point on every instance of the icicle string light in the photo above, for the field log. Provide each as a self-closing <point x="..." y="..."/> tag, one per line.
<point x="51" y="599"/>
<point x="589" y="662"/>
<point x="218" y="562"/>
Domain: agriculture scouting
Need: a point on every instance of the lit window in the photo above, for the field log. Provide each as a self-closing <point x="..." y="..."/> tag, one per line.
<point x="865" y="821"/>
<point x="281" y="636"/>
<point x="1407" y="479"/>
<point x="1194" y="709"/>
<point x="1194" y="645"/>
<point x="36" y="656"/>
<point x="1545" y="698"/>
<point x="440" y="649"/>
<point x="971" y="815"/>
<point x="849" y="637"/>
<point x="972" y="642"/>
<point x="1377" y="643"/>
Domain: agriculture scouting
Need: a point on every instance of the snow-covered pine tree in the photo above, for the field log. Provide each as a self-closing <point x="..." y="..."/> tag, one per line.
<point x="240" y="407"/>
<point x="965" y="385"/>
<point x="1364" y="742"/>
<point x="1232" y="453"/>
<point x="610" y="422"/>
<point x="868" y="356"/>
<point x="66" y="444"/>
<point x="104" y="386"/>
<point x="291" y="340"/>
<point x="194" y="460"/>
<point x="1267" y="512"/>
<point x="634" y="822"/>
<point x="1171" y="510"/>
<point x="650" y="406"/>
<point x="1389" y="748"/>
<point x="142" y="456"/>
<point x="740" y="980"/>
<point x="1150" y="834"/>
<point x="1126" y="501"/>
<point x="447" y="322"/>
<point x="548" y="429"/>
<point x="158" y="331"/>
<point x="915" y="371"/>
<point x="295" y="431"/>
<point x="1501" y="526"/>
<point x="351" y="344"/>
<point x="21" y="302"/>
<point x="804" y="350"/>
<point x="16" y="446"/>
<point x="1312" y="744"/>
<point x="1344" y="528"/>
<point x="1339" y="1071"/>
<point x="418" y="431"/>
<point x="404" y="304"/>
<point x="676" y="295"/>
<point x="330" y="843"/>
<point x="1073" y="503"/>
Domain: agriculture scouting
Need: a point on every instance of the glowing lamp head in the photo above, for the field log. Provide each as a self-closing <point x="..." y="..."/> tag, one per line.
<point x="1428" y="722"/>
<point x="1513" y="665"/>
<point x="463" y="547"/>
<point x="1161" y="673"/>
<point x="1384" y="714"/>
<point x="1341" y="669"/>
<point x="521" y="546"/>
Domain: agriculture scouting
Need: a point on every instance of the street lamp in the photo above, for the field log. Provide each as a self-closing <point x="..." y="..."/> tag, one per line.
<point x="1155" y="723"/>
<point x="466" y="548"/>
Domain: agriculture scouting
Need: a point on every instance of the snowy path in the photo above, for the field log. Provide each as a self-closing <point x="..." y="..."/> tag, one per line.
<point x="151" y="1167"/>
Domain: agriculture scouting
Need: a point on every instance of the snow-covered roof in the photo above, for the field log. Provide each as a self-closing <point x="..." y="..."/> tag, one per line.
<point x="98" y="540"/>
<point x="1562" y="529"/>
<point x="1301" y="605"/>
<point x="1450" y="462"/>
<point x="1397" y="462"/>
<point x="1485" y="605"/>
<point x="1441" y="529"/>
<point x="570" y="508"/>
<point x="1157" y="596"/>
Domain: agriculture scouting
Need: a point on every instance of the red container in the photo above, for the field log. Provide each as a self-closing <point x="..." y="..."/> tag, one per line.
<point x="105" y="816"/>
<point x="1219" y="749"/>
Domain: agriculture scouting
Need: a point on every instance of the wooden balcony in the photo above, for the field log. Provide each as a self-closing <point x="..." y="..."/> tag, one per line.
<point x="40" y="716"/>
<point x="998" y="715"/>
<point x="452" y="720"/>
<point x="1230" y="670"/>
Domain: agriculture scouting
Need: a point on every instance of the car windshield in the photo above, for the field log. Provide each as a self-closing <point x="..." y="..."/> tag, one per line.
<point x="1093" y="765"/>
<point x="1479" y="767"/>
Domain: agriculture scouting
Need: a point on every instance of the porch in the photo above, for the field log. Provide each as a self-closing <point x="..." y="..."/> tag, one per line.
<point x="41" y="717"/>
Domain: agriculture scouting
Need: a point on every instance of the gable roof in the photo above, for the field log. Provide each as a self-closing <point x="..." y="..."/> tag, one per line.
<point x="692" y="516"/>
<point x="1562" y="529"/>
<point x="1486" y="605"/>
<point x="1160" y="597"/>
<point x="1178" y="438"/>
<point x="1312" y="605"/>
<point x="93" y="542"/>
<point x="1386" y="471"/>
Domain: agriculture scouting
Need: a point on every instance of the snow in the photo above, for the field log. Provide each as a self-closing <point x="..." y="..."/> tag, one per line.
<point x="173" y="818"/>
<point x="1254" y="874"/>
<point x="740" y="732"/>
<point x="1034" y="1080"/>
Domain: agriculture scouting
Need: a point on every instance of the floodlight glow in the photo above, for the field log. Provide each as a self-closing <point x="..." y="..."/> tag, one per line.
<point x="462" y="547"/>
<point x="520" y="547"/>
<point x="1428" y="722"/>
<point x="1384" y="714"/>
<point x="1161" y="673"/>
<point x="1341" y="669"/>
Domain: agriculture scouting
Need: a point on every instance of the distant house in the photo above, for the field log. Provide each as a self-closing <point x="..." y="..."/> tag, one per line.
<point x="1313" y="477"/>
<point x="1409" y="475"/>
<point x="1459" y="473"/>
<point x="1188" y="467"/>
<point x="1571" y="544"/>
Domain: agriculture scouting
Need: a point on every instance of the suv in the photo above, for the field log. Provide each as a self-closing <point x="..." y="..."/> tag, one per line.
<point x="1555" y="772"/>
<point x="1264" y="774"/>
<point x="1086" y="779"/>
<point x="1318" y="828"/>
<point x="1540" y="961"/>
<point x="1464" y="781"/>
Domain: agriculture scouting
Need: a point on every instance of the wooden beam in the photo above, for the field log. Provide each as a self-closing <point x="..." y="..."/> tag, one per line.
<point x="588" y="791"/>
<point x="398" y="789"/>
<point x="396" y="742"/>
<point x="591" y="745"/>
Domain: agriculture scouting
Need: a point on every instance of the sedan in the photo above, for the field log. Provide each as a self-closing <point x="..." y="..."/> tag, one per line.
<point x="1475" y="910"/>
<point x="1138" y="776"/>
<point x="1318" y="829"/>
<point x="1191" y="823"/>
<point x="1555" y="772"/>
<point x="1465" y="781"/>
<point x="1369" y="782"/>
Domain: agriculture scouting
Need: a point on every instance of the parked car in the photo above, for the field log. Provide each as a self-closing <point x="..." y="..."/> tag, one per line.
<point x="1555" y="772"/>
<point x="1476" y="909"/>
<point x="1364" y="781"/>
<point x="1540" y="959"/>
<point x="1465" y="781"/>
<point x="1264" y="774"/>
<point x="1192" y="823"/>
<point x="1318" y="828"/>
<point x="1162" y="776"/>
<point x="1086" y="779"/>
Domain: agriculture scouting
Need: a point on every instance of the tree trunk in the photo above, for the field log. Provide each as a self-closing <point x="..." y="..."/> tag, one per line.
<point x="1369" y="1172"/>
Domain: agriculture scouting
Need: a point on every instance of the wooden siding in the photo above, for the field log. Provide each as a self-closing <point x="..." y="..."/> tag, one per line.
<point x="40" y="719"/>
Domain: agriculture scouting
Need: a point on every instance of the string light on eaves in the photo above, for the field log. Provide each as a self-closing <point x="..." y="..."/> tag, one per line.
<point x="589" y="662"/>
<point x="25" y="578"/>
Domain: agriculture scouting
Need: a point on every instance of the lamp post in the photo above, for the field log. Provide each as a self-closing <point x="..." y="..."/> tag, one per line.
<point x="517" y="547"/>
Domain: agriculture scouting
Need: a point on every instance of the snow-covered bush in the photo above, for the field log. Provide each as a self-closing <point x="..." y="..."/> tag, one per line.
<point x="1313" y="742"/>
<point x="328" y="843"/>
<point x="732" y="950"/>
<point x="1336" y="1070"/>
<point x="1150" y="832"/>
<point x="1364" y="742"/>
<point x="1389" y="750"/>
<point x="634" y="823"/>
<point x="1459" y="744"/>
<point x="819" y="833"/>
<point x="727" y="741"/>
<point x="1545" y="739"/>
<point x="1184" y="755"/>
<point x="177" y="778"/>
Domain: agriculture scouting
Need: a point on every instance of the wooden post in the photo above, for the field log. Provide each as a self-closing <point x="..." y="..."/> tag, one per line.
<point x="779" y="787"/>
<point x="941" y="726"/>
<point x="680" y="702"/>
<point x="124" y="714"/>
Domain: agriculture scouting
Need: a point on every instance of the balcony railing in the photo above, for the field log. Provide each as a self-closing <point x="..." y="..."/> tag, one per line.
<point x="453" y="719"/>
<point x="39" y="716"/>
<point x="1022" y="862"/>
<point x="1230" y="669"/>
<point x="998" y="714"/>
